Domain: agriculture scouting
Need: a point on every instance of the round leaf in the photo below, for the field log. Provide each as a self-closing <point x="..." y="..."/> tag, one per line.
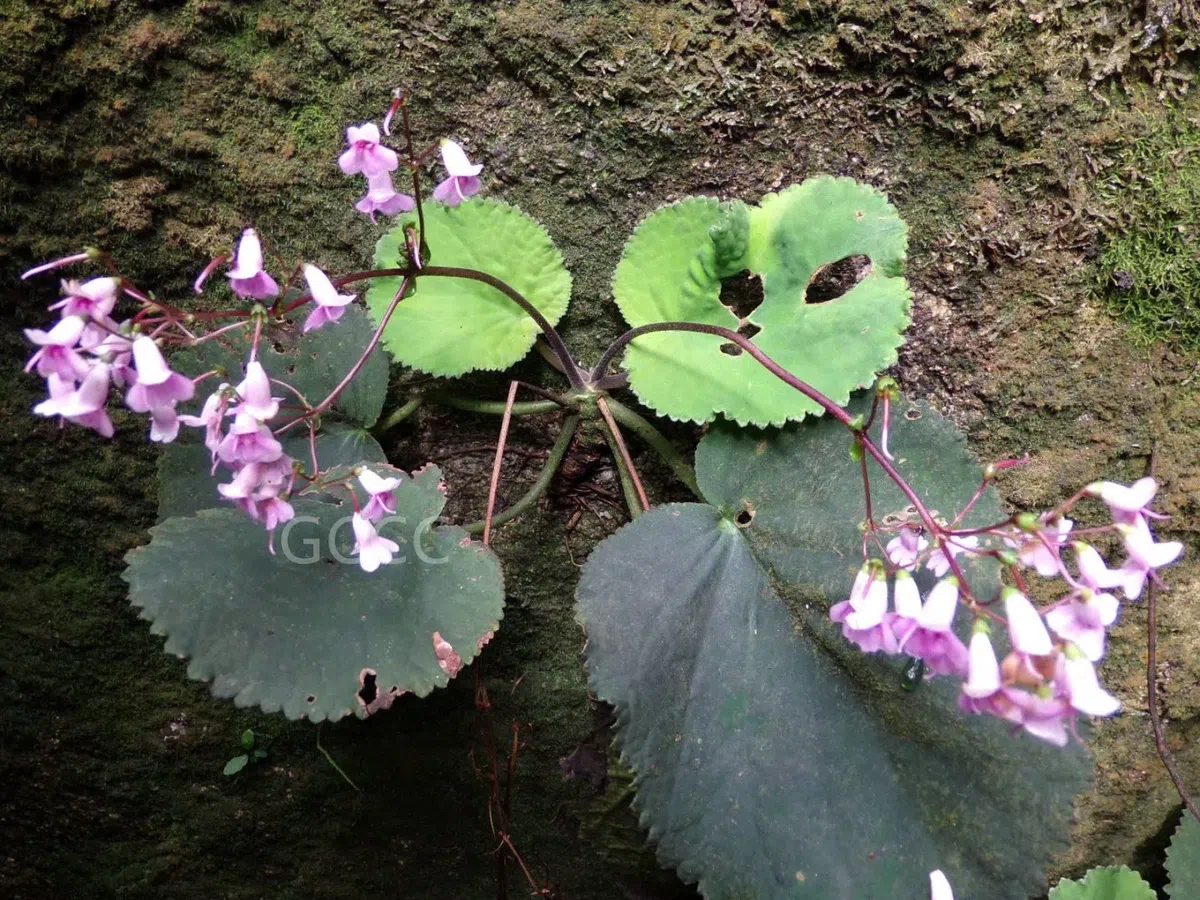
<point x="1107" y="883"/>
<point x="449" y="326"/>
<point x="186" y="484"/>
<point x="313" y="363"/>
<point x="774" y="760"/>
<point x="1183" y="860"/>
<point x="671" y="271"/>
<point x="305" y="630"/>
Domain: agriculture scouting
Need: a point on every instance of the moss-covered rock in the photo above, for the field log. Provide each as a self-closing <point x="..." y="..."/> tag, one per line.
<point x="157" y="129"/>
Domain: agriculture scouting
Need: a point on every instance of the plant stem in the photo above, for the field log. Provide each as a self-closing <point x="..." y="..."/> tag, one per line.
<point x="495" y="482"/>
<point x="619" y="440"/>
<point x="329" y="759"/>
<point x="399" y="415"/>
<point x="362" y="360"/>
<point x="632" y="501"/>
<point x="494" y="407"/>
<point x="804" y="388"/>
<point x="553" y="461"/>
<point x="569" y="366"/>
<point x="1160" y="738"/>
<point x="655" y="439"/>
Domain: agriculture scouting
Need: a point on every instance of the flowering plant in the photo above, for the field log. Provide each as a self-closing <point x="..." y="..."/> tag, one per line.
<point x="712" y="626"/>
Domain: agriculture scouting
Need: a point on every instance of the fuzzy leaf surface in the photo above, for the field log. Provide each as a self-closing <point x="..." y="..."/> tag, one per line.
<point x="450" y="326"/>
<point x="1105" y="883"/>
<point x="774" y="760"/>
<point x="301" y="630"/>
<point x="1183" y="860"/>
<point x="672" y="268"/>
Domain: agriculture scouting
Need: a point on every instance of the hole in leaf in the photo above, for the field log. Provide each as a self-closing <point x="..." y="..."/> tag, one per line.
<point x="278" y="346"/>
<point x="747" y="330"/>
<point x="742" y="294"/>
<point x="312" y="698"/>
<point x="832" y="281"/>
<point x="744" y="517"/>
<point x="912" y="415"/>
<point x="368" y="692"/>
<point x="291" y="370"/>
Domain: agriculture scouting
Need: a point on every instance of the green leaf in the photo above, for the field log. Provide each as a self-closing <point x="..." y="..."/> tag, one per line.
<point x="260" y="754"/>
<point x="1107" y="883"/>
<point x="313" y="363"/>
<point x="453" y="325"/>
<point x="305" y="630"/>
<point x="248" y="739"/>
<point x="185" y="485"/>
<point x="671" y="270"/>
<point x="774" y="759"/>
<point x="1183" y="860"/>
<point x="236" y="764"/>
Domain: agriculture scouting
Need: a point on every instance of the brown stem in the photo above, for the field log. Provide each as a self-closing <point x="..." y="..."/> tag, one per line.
<point x="1160" y="738"/>
<point x="620" y="441"/>
<point x="495" y="483"/>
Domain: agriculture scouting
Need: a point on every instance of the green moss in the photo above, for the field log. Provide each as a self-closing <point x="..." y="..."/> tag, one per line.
<point x="1150" y="265"/>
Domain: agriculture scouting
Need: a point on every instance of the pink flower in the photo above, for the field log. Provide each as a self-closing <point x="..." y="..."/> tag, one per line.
<point x="1146" y="556"/>
<point x="983" y="692"/>
<point x="58" y="355"/>
<point x="383" y="501"/>
<point x="56" y="264"/>
<point x="366" y="154"/>
<point x="863" y="616"/>
<point x="939" y="886"/>
<point x="156" y="385"/>
<point x="930" y="636"/>
<point x="1092" y="570"/>
<point x="372" y="550"/>
<point x="164" y="424"/>
<point x="248" y="441"/>
<point x="1040" y="551"/>
<point x="94" y="299"/>
<point x="382" y="197"/>
<point x="330" y="304"/>
<point x="938" y="563"/>
<point x="211" y="417"/>
<point x="272" y="512"/>
<point x="255" y="393"/>
<point x="1083" y="621"/>
<point x="905" y="547"/>
<point x="983" y="671"/>
<point x="1126" y="504"/>
<point x="117" y="351"/>
<point x="83" y="405"/>
<point x="1025" y="627"/>
<point x="247" y="278"/>
<point x="256" y="481"/>
<point x="1082" y="690"/>
<point x="462" y="180"/>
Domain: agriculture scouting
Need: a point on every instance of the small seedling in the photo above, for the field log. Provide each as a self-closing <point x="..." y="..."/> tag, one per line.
<point x="254" y="753"/>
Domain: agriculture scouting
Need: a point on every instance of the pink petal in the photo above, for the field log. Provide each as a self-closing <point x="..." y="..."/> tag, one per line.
<point x="1025" y="625"/>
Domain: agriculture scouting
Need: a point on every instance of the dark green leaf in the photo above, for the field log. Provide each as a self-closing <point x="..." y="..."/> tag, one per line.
<point x="774" y="760"/>
<point x="248" y="739"/>
<point x="305" y="630"/>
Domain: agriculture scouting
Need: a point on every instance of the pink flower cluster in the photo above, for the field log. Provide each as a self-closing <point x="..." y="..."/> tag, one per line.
<point x="87" y="353"/>
<point x="366" y="155"/>
<point x="1048" y="677"/>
